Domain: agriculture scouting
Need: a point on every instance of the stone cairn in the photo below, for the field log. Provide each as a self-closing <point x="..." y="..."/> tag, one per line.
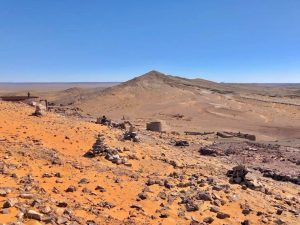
<point x="131" y="135"/>
<point x="238" y="174"/>
<point x="39" y="110"/>
<point x="99" y="148"/>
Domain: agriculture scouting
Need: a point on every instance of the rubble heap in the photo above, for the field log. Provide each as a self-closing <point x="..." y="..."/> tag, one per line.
<point x="131" y="135"/>
<point x="99" y="148"/>
<point x="240" y="175"/>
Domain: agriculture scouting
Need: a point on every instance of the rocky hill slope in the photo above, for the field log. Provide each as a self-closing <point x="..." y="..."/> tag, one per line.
<point x="202" y="105"/>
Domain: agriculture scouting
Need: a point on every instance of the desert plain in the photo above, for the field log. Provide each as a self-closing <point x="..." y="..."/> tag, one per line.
<point x="225" y="154"/>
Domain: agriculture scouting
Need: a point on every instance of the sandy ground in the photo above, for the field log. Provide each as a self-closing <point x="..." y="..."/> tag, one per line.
<point x="34" y="150"/>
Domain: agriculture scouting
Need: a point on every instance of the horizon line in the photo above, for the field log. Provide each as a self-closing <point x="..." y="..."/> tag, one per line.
<point x="93" y="82"/>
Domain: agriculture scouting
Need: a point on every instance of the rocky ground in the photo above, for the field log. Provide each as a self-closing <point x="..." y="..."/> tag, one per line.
<point x="279" y="162"/>
<point x="56" y="169"/>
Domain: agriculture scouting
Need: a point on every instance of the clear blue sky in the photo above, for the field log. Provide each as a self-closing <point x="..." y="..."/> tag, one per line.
<point x="115" y="40"/>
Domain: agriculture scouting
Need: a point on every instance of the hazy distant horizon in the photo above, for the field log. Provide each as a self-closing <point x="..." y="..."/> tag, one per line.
<point x="118" y="82"/>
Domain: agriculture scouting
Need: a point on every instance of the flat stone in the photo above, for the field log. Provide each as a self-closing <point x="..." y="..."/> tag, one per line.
<point x="27" y="196"/>
<point x="31" y="214"/>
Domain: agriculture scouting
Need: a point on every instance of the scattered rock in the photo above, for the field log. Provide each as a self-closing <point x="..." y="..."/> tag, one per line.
<point x="10" y="202"/>
<point x="142" y="195"/>
<point x="106" y="204"/>
<point x="62" y="204"/>
<point x="245" y="222"/>
<point x="4" y="211"/>
<point x="182" y="143"/>
<point x="222" y="215"/>
<point x="100" y="188"/>
<point x="191" y="206"/>
<point x="27" y="196"/>
<point x="208" y="220"/>
<point x="208" y="151"/>
<point x="83" y="181"/>
<point x="31" y="214"/>
<point x="71" y="189"/>
<point x="205" y="196"/>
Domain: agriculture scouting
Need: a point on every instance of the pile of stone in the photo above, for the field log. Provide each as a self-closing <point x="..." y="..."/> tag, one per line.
<point x="131" y="135"/>
<point x="39" y="110"/>
<point x="237" y="174"/>
<point x="99" y="148"/>
<point x="121" y="125"/>
<point x="108" y="122"/>
<point x="182" y="143"/>
<point x="103" y="120"/>
<point x="208" y="151"/>
<point x="240" y="175"/>
<point x="275" y="175"/>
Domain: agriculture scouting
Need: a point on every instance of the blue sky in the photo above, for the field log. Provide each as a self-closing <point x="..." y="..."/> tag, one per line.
<point x="115" y="40"/>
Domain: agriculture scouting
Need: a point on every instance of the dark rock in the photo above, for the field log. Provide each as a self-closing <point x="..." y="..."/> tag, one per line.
<point x="237" y="174"/>
<point x="222" y="215"/>
<point x="191" y="206"/>
<point x="205" y="196"/>
<point x="83" y="181"/>
<point x="208" y="220"/>
<point x="10" y="203"/>
<point x="100" y="188"/>
<point x="164" y="215"/>
<point x="142" y="195"/>
<point x="106" y="204"/>
<point x="71" y="189"/>
<point x="182" y="143"/>
<point x="138" y="207"/>
<point x="245" y="209"/>
<point x="279" y="211"/>
<point x="245" y="222"/>
<point x="208" y="151"/>
<point x="62" y="204"/>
